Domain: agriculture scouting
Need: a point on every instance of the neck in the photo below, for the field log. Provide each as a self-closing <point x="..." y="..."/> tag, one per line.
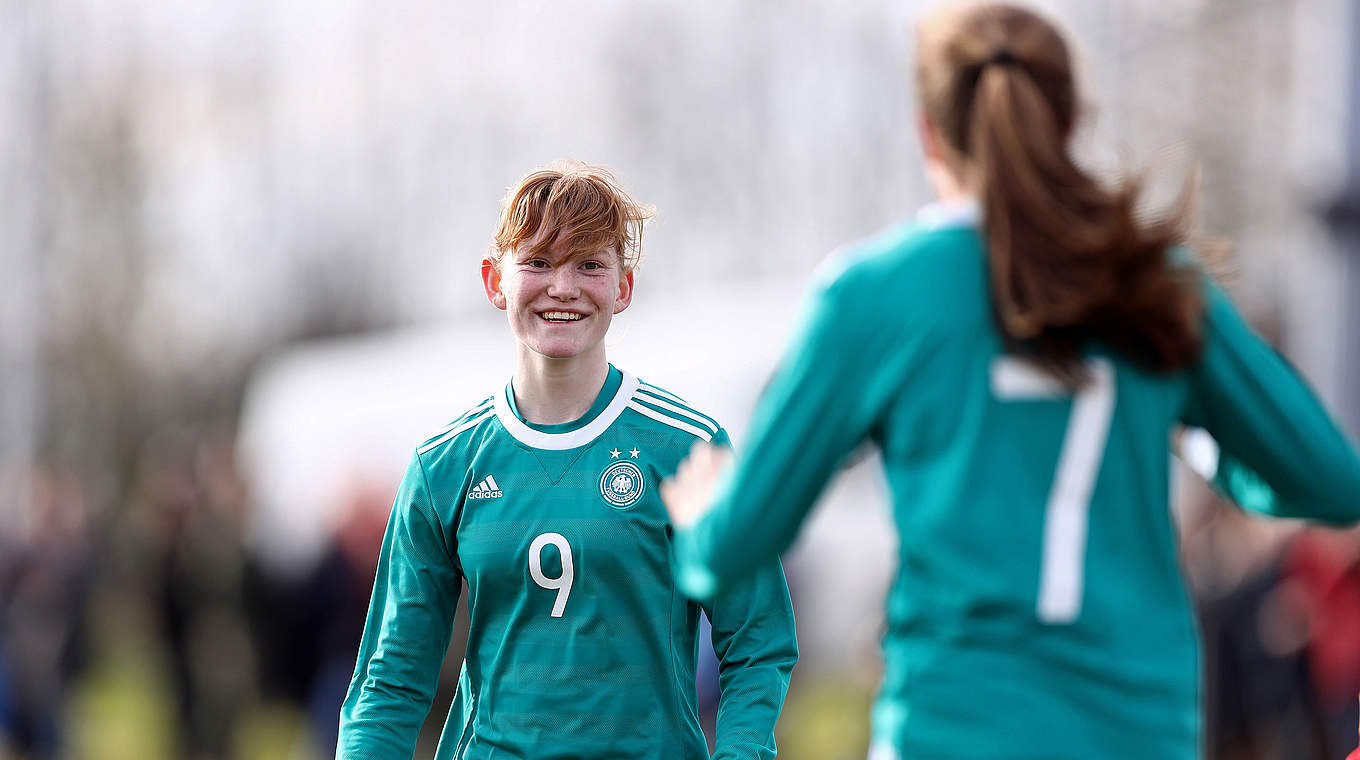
<point x="955" y="194"/>
<point x="948" y="185"/>
<point x="553" y="391"/>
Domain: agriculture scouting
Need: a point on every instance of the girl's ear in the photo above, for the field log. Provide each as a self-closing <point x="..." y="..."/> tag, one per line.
<point x="491" y="282"/>
<point x="625" y="292"/>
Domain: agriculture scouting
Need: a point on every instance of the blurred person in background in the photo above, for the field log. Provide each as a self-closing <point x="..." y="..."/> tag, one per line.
<point x="307" y="626"/>
<point x="6" y="711"/>
<point x="189" y="509"/>
<point x="44" y="587"/>
<point x="1355" y="754"/>
<point x="1021" y="353"/>
<point x="1281" y="657"/>
<point x="339" y="588"/>
<point x="543" y="499"/>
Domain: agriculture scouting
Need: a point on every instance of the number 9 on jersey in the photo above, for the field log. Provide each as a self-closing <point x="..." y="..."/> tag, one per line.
<point x="560" y="584"/>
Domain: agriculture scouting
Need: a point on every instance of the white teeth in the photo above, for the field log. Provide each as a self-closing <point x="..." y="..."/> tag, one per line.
<point x="561" y="316"/>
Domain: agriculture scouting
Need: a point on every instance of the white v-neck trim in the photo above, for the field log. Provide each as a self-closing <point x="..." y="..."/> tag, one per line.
<point x="572" y="439"/>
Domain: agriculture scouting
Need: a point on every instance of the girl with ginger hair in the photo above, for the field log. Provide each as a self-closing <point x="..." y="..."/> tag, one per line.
<point x="543" y="499"/>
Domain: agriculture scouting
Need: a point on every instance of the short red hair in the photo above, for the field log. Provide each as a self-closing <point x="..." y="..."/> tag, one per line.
<point x="584" y="201"/>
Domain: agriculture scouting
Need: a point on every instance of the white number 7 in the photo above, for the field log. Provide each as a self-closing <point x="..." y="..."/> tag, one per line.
<point x="1069" y="498"/>
<point x="562" y="583"/>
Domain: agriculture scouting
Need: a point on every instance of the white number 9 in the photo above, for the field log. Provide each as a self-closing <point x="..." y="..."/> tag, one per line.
<point x="562" y="583"/>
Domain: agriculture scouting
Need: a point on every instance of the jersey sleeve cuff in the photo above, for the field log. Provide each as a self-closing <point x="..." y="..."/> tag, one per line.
<point x="692" y="577"/>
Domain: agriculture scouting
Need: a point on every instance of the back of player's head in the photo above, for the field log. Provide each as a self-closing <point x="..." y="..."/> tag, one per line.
<point x="972" y="54"/>
<point x="1069" y="261"/>
<point x="580" y="201"/>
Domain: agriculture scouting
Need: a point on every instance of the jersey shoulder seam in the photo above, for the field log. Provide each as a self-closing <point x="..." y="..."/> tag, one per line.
<point x="461" y="424"/>
<point x="846" y="268"/>
<point x="667" y="408"/>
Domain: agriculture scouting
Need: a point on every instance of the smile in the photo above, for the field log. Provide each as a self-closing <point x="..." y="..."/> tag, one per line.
<point x="560" y="316"/>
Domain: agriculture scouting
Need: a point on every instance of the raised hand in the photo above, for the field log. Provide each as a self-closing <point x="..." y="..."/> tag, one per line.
<point x="688" y="494"/>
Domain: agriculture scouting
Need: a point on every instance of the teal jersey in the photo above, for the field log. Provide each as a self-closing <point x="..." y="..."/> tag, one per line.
<point x="579" y="644"/>
<point x="1038" y="610"/>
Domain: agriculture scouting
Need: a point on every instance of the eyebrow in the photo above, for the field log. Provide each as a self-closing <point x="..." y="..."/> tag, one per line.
<point x="539" y="252"/>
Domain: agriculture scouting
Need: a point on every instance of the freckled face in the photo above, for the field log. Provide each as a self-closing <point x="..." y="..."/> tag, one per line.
<point x="559" y="303"/>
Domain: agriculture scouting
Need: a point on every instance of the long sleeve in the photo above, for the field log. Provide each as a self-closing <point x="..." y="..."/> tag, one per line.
<point x="757" y="647"/>
<point x="842" y="371"/>
<point x="1280" y="452"/>
<point x="410" y="620"/>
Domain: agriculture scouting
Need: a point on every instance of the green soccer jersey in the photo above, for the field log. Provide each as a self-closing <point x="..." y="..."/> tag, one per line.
<point x="1038" y="609"/>
<point x="580" y="644"/>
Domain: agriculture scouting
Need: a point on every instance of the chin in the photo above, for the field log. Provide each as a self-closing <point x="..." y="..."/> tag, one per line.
<point x="559" y="352"/>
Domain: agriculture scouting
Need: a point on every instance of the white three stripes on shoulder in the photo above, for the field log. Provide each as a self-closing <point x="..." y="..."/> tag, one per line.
<point x="669" y="420"/>
<point x="473" y="412"/>
<point x="655" y="391"/>
<point x="467" y="424"/>
<point x="656" y="400"/>
<point x="465" y="416"/>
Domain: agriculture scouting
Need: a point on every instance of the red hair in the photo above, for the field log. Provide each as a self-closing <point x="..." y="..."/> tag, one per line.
<point x="585" y="202"/>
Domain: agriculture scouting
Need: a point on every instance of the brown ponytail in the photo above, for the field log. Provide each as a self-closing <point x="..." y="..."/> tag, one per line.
<point x="1070" y="262"/>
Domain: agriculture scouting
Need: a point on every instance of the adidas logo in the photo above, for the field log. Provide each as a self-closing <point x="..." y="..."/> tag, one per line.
<point x="487" y="489"/>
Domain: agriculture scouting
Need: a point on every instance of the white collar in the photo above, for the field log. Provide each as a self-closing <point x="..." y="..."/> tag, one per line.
<point x="572" y="439"/>
<point x="950" y="214"/>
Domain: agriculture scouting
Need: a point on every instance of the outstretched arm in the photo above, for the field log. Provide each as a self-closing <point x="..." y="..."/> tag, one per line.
<point x="1280" y="452"/>
<point x="841" y="373"/>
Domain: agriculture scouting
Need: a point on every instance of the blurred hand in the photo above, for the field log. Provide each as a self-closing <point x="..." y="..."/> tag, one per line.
<point x="688" y="494"/>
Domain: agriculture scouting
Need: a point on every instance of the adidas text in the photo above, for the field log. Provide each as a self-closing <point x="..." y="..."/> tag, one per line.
<point x="487" y="489"/>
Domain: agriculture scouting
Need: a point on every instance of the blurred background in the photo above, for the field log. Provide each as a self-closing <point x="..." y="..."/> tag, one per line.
<point x="239" y="251"/>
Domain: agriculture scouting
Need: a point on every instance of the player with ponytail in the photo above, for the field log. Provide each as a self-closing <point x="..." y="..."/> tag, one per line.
<point x="1021" y="353"/>
<point x="1068" y="260"/>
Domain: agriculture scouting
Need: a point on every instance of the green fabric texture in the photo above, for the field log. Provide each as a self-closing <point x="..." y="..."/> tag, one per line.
<point x="587" y="656"/>
<point x="898" y="346"/>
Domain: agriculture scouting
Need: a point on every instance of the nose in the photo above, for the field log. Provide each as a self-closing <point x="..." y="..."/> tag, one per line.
<point x="562" y="284"/>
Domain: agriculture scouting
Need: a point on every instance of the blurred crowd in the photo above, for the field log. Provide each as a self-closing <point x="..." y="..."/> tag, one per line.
<point x="156" y="633"/>
<point x="1279" y="611"/>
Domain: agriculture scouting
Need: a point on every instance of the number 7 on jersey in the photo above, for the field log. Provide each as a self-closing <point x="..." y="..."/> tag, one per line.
<point x="1069" y="498"/>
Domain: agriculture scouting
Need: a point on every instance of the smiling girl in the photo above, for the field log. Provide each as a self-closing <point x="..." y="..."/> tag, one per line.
<point x="543" y="499"/>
